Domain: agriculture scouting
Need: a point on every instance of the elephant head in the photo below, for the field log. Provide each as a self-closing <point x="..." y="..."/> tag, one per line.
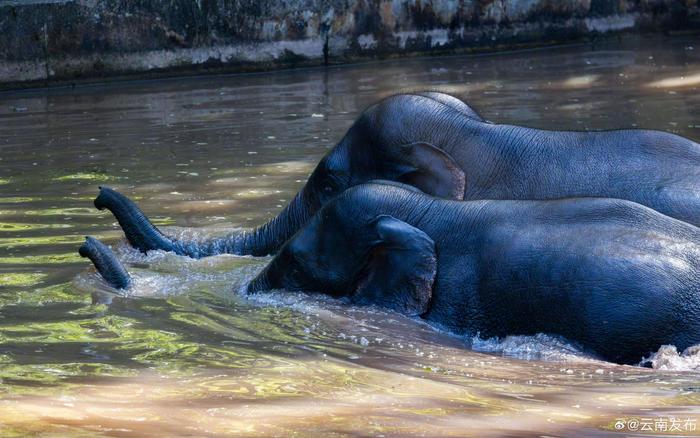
<point x="382" y="261"/>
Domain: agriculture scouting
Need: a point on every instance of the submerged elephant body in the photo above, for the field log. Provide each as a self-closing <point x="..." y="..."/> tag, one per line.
<point x="440" y="145"/>
<point x="616" y="277"/>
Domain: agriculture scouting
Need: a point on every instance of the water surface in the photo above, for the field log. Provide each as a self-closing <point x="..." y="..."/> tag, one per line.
<point x="186" y="355"/>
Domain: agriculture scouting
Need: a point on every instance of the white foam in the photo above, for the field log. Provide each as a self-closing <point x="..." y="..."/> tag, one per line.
<point x="165" y="274"/>
<point x="536" y="347"/>
<point x="668" y="358"/>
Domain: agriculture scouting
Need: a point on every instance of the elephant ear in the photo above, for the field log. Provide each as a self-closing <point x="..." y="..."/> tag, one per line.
<point x="400" y="270"/>
<point x="429" y="168"/>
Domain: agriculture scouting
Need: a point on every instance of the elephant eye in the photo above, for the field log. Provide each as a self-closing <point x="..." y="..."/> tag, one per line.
<point x="331" y="185"/>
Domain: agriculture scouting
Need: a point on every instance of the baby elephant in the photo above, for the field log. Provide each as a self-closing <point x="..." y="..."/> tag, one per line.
<point x="618" y="278"/>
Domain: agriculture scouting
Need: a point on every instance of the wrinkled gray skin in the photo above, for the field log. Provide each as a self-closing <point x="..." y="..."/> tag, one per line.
<point x="106" y="263"/>
<point x="438" y="144"/>
<point x="616" y="277"/>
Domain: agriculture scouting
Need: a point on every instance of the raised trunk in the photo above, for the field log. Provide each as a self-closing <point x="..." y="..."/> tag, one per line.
<point x="263" y="240"/>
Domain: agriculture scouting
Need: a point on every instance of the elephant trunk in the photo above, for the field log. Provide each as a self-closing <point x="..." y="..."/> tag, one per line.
<point x="260" y="241"/>
<point x="268" y="238"/>
<point x="105" y="262"/>
<point x="139" y="231"/>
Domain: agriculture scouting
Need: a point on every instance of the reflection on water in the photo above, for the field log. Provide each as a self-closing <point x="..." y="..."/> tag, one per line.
<point x="185" y="354"/>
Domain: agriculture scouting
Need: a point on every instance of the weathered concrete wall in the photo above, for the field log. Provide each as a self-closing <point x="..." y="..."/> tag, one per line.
<point x="57" y="40"/>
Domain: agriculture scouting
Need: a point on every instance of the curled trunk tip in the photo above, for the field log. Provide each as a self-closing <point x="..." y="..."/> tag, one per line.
<point x="106" y="263"/>
<point x="140" y="232"/>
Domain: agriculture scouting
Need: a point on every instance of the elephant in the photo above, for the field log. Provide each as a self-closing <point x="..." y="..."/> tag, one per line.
<point x="616" y="277"/>
<point x="438" y="144"/>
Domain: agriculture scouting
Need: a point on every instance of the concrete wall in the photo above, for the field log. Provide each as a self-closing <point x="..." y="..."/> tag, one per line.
<point x="43" y="41"/>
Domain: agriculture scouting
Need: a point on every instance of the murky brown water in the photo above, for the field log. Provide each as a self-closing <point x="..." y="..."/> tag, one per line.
<point x="188" y="356"/>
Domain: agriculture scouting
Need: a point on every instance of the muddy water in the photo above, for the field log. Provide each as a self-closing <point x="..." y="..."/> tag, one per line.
<point x="186" y="355"/>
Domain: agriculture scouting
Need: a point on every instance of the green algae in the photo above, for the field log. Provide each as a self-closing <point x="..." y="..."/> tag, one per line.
<point x="10" y="227"/>
<point x="12" y="242"/>
<point x="47" y="259"/>
<point x="21" y="279"/>
<point x="88" y="176"/>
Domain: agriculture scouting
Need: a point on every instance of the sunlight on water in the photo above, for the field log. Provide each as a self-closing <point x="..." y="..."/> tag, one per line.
<point x="75" y="211"/>
<point x="15" y="226"/>
<point x="19" y="279"/>
<point x="677" y="82"/>
<point x="14" y="200"/>
<point x="580" y="81"/>
<point x="70" y="257"/>
<point x="184" y="352"/>
<point x="87" y="176"/>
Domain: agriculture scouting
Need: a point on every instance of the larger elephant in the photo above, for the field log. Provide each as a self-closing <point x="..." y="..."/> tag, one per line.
<point x="617" y="277"/>
<point x="440" y="145"/>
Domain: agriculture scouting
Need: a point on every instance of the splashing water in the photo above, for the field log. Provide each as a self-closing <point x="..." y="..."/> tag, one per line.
<point x="537" y="347"/>
<point x="668" y="358"/>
